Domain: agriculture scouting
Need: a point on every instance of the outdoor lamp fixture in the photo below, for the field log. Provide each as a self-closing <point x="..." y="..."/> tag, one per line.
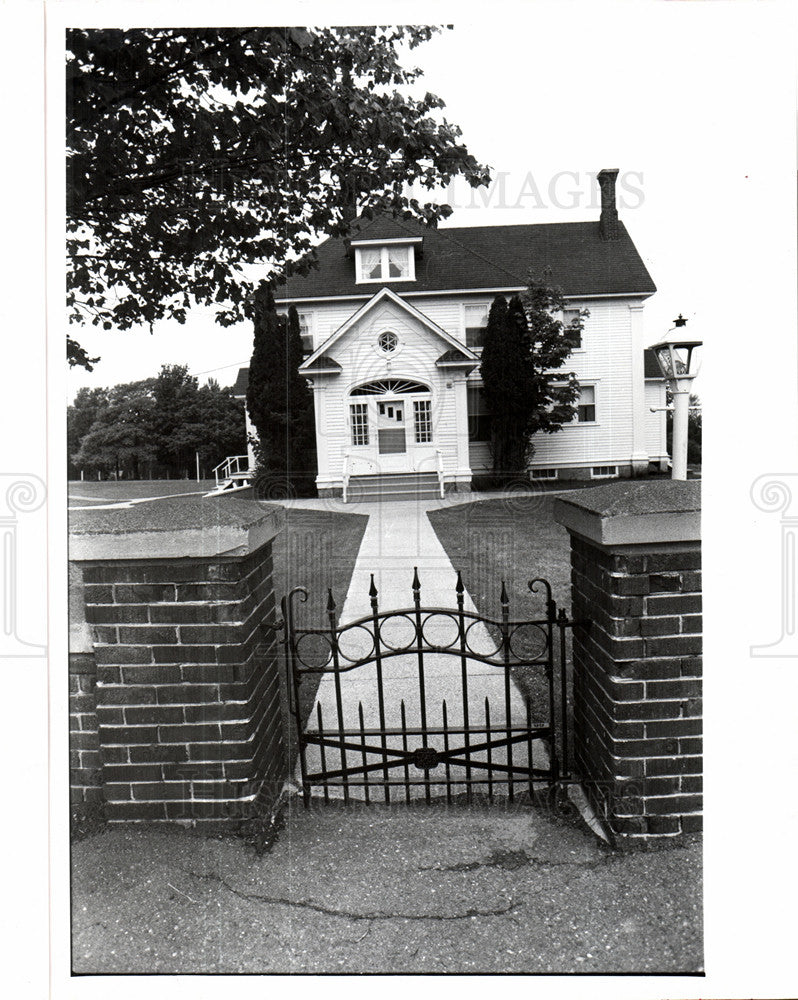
<point x="679" y="360"/>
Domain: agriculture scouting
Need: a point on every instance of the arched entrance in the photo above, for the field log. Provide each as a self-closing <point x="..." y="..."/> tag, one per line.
<point x="391" y="427"/>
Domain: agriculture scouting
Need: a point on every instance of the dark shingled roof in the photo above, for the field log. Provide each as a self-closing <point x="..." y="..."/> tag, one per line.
<point x="475" y="257"/>
<point x="651" y="367"/>
<point x="322" y="362"/>
<point x="452" y="356"/>
<point x="241" y="383"/>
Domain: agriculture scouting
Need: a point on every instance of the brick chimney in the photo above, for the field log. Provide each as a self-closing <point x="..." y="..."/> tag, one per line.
<point x="348" y="200"/>
<point x="608" y="220"/>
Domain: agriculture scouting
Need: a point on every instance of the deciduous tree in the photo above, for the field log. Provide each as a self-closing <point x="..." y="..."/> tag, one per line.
<point x="525" y="390"/>
<point x="199" y="157"/>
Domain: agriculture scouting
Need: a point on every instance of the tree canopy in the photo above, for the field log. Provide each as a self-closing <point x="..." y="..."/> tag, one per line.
<point x="155" y="426"/>
<point x="197" y="158"/>
<point x="525" y="391"/>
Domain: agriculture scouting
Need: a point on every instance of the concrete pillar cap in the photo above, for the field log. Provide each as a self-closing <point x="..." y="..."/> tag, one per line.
<point x="634" y="513"/>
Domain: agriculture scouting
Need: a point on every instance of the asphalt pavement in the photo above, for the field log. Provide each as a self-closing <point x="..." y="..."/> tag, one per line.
<point x="370" y="889"/>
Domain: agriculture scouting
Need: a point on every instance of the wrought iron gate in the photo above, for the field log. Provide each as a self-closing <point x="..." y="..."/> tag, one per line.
<point x="400" y="745"/>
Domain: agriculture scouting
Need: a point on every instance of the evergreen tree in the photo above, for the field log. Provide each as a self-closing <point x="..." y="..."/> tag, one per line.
<point x="525" y="346"/>
<point x="279" y="401"/>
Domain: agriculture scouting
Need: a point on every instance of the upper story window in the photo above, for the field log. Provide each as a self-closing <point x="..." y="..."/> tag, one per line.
<point x="574" y="337"/>
<point x="306" y="331"/>
<point x="386" y="263"/>
<point x="476" y="323"/>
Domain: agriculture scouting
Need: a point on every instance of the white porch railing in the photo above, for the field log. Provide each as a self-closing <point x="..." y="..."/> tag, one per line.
<point x="231" y="466"/>
<point x="439" y="464"/>
<point x="347" y="474"/>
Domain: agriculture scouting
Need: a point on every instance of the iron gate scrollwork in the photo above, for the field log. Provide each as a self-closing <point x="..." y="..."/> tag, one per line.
<point x="424" y="725"/>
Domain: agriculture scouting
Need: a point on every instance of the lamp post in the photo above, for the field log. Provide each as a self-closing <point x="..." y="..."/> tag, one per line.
<point x="679" y="360"/>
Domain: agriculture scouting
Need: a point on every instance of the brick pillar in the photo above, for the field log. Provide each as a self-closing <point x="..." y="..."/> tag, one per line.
<point x="636" y="575"/>
<point x="187" y="694"/>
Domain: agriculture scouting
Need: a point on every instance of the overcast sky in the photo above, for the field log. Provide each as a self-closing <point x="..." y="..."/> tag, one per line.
<point x="546" y="103"/>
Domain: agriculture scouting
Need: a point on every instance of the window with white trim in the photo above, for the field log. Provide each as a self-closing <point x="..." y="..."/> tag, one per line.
<point x="544" y="473"/>
<point x="306" y="331"/>
<point x="586" y="405"/>
<point x="479" y="418"/>
<point x="604" y="472"/>
<point x="388" y="263"/>
<point x="476" y="323"/>
<point x="359" y="420"/>
<point x="422" y="420"/>
<point x="388" y="342"/>
<point x="573" y="336"/>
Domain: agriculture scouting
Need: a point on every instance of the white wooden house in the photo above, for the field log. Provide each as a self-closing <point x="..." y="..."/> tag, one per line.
<point x="393" y="321"/>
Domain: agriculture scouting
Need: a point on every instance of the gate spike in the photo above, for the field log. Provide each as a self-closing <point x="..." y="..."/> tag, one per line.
<point x="373" y="594"/>
<point x="330" y="600"/>
<point x="416" y="581"/>
<point x="459" y="586"/>
<point x="505" y="600"/>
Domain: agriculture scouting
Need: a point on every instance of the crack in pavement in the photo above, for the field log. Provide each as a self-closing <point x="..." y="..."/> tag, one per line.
<point x="512" y="860"/>
<point x="348" y="914"/>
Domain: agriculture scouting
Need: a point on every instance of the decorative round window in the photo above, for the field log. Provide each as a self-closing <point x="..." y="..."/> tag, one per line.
<point x="388" y="342"/>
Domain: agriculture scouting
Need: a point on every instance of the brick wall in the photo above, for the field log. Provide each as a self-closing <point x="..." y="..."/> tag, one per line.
<point x="84" y="748"/>
<point x="637" y="684"/>
<point x="636" y="577"/>
<point x="187" y="693"/>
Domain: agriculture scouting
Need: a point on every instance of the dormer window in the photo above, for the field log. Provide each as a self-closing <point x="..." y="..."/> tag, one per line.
<point x="389" y="262"/>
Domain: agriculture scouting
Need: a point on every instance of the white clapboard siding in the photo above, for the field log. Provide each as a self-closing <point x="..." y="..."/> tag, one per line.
<point x="656" y="441"/>
<point x="361" y="361"/>
<point x="605" y="361"/>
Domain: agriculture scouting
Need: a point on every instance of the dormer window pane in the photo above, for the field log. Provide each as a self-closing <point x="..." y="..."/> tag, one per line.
<point x="398" y="262"/>
<point x="372" y="263"/>
<point x="385" y="263"/>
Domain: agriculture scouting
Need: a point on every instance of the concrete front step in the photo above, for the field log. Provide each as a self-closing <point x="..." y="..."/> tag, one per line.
<point x="383" y="497"/>
<point x="397" y="486"/>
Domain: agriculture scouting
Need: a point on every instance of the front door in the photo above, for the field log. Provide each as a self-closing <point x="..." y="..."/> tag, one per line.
<point x="391" y="430"/>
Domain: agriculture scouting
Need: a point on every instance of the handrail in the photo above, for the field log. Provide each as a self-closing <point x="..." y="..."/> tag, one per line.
<point x="347" y="474"/>
<point x="230" y="466"/>
<point x="439" y="462"/>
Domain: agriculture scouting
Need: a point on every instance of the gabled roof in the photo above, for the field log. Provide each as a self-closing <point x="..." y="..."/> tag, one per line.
<point x="486" y="257"/>
<point x="240" y="385"/>
<point x="455" y="354"/>
<point x="384" y="294"/>
<point x="322" y="364"/>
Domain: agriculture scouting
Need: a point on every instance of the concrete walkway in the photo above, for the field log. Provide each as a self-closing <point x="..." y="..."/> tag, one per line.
<point x="398" y="539"/>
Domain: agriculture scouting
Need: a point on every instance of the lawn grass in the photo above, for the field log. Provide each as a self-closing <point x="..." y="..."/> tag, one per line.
<point x="515" y="540"/>
<point x="512" y="540"/>
<point x="133" y="489"/>
<point x="316" y="550"/>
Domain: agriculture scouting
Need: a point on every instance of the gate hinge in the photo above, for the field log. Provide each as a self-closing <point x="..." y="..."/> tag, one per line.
<point x="275" y="626"/>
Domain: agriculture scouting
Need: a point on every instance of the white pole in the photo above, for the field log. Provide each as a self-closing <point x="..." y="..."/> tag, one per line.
<point x="198" y="475"/>
<point x="681" y="409"/>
